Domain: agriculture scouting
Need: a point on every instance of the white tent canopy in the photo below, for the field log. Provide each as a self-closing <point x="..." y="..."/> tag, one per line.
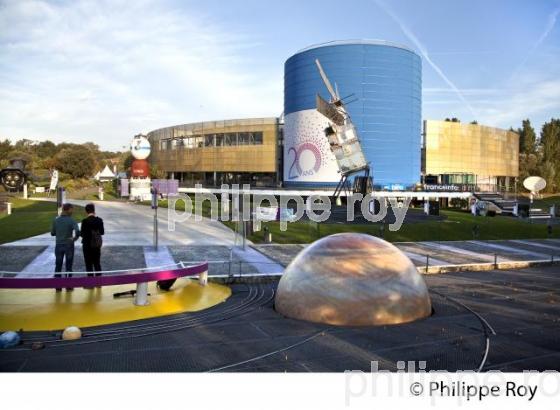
<point x="105" y="175"/>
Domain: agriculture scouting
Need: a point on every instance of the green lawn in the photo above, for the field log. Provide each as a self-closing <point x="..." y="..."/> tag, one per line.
<point x="457" y="226"/>
<point x="546" y="202"/>
<point x="30" y="218"/>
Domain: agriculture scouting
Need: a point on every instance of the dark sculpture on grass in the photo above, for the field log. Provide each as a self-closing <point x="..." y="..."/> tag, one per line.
<point x="14" y="176"/>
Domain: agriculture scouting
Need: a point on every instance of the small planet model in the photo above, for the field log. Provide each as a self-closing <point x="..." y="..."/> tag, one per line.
<point x="140" y="168"/>
<point x="140" y="147"/>
<point x="351" y="279"/>
<point x="9" y="339"/>
<point x="71" y="333"/>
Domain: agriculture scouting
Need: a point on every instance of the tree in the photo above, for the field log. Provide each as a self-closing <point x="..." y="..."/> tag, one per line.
<point x="127" y="162"/>
<point x="549" y="172"/>
<point x="528" y="166"/>
<point x="527" y="138"/>
<point x="474" y="122"/>
<point x="550" y="141"/>
<point x="550" y="148"/>
<point x="77" y="160"/>
<point x="23" y="144"/>
<point x="156" y="173"/>
<point x="5" y="148"/>
<point x="45" y="149"/>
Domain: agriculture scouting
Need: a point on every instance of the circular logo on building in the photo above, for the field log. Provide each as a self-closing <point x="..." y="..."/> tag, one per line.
<point x="306" y="160"/>
<point x="140" y="147"/>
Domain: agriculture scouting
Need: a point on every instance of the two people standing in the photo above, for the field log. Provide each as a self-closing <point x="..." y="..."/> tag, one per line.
<point x="66" y="231"/>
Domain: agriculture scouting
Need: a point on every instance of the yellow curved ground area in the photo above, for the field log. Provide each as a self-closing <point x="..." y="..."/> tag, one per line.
<point x="44" y="309"/>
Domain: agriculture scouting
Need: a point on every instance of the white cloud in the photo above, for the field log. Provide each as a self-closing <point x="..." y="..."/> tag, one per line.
<point x="103" y="71"/>
<point x="525" y="102"/>
<point x="527" y="97"/>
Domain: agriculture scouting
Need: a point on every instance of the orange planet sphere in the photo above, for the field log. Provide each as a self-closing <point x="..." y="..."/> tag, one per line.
<point x="140" y="168"/>
<point x="351" y="279"/>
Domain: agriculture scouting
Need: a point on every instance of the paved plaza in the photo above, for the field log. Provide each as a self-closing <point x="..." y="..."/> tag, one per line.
<point x="515" y="328"/>
<point x="245" y="333"/>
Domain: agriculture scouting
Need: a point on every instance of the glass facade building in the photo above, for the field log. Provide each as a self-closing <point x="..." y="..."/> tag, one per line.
<point x="380" y="83"/>
<point x="481" y="157"/>
<point x="219" y="152"/>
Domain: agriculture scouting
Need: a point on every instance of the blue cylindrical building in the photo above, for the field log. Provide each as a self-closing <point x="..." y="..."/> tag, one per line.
<point x="384" y="80"/>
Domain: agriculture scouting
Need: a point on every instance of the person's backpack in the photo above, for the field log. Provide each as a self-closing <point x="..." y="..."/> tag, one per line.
<point x="96" y="239"/>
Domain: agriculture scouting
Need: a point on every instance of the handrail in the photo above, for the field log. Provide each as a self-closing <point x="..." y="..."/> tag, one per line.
<point x="109" y="280"/>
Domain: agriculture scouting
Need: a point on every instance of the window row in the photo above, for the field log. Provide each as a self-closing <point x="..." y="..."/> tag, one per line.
<point x="213" y="140"/>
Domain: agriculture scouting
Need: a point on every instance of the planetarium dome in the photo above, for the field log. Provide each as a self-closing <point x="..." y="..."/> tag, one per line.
<point x="351" y="279"/>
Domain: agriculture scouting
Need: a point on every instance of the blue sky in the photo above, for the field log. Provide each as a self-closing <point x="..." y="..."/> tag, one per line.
<point x="103" y="71"/>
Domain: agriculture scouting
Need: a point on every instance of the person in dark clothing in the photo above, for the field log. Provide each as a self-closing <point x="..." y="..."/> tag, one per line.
<point x="63" y="226"/>
<point x="92" y="230"/>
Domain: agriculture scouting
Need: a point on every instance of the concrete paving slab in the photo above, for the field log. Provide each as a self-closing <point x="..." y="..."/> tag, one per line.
<point x="546" y="248"/>
<point x="437" y="257"/>
<point x="42" y="266"/>
<point x="129" y="224"/>
<point x="15" y="259"/>
<point x="282" y="254"/>
<point x="532" y="247"/>
<point x="160" y="257"/>
<point x="475" y="256"/>
<point x="510" y="251"/>
<point x="258" y="261"/>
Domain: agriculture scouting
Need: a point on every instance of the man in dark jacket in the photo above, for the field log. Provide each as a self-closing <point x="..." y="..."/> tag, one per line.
<point x="92" y="230"/>
<point x="63" y="227"/>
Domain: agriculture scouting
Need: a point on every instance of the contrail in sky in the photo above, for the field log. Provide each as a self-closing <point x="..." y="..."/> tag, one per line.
<point x="547" y="29"/>
<point x="424" y="53"/>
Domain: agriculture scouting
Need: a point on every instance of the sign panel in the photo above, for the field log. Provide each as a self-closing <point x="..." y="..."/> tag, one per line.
<point x="124" y="187"/>
<point x="266" y="213"/>
<point x="54" y="180"/>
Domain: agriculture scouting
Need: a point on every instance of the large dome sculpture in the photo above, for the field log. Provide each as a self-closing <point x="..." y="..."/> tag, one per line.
<point x="353" y="279"/>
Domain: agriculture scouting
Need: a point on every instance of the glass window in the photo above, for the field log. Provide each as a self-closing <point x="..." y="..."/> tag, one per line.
<point x="199" y="141"/>
<point x="257" y="138"/>
<point x="243" y="138"/>
<point x="230" y="139"/>
<point x="189" y="142"/>
<point x="163" y="145"/>
<point x="209" y="140"/>
<point x="219" y="140"/>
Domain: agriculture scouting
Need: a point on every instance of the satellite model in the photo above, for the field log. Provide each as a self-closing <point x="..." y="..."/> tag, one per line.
<point x="343" y="139"/>
<point x="534" y="184"/>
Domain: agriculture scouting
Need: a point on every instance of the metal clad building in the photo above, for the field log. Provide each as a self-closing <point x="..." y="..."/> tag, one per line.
<point x="385" y="81"/>
<point x="483" y="157"/>
<point x="218" y="152"/>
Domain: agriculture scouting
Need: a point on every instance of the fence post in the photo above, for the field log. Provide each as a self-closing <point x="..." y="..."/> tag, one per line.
<point x="141" y="298"/>
<point x="203" y="278"/>
<point x="427" y="262"/>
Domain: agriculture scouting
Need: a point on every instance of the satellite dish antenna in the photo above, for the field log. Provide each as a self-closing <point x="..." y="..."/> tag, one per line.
<point x="534" y="184"/>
